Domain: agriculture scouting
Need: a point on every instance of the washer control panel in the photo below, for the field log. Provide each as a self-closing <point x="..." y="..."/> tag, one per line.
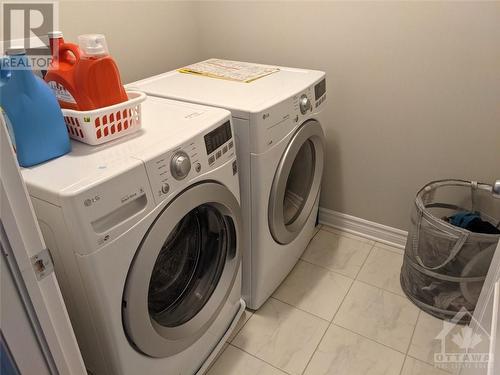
<point x="320" y="92"/>
<point x="304" y="104"/>
<point x="169" y="172"/>
<point x="180" y="165"/>
<point x="218" y="142"/>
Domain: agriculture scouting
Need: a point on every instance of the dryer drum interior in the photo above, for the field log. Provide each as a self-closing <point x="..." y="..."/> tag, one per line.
<point x="183" y="271"/>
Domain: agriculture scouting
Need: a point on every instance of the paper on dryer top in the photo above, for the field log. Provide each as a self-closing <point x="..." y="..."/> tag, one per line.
<point x="232" y="70"/>
<point x="241" y="99"/>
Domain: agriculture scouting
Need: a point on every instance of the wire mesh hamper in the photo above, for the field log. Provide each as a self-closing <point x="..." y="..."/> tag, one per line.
<point x="444" y="265"/>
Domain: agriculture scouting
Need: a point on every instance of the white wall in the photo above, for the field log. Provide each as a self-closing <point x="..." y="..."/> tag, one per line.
<point x="413" y="89"/>
<point x="145" y="37"/>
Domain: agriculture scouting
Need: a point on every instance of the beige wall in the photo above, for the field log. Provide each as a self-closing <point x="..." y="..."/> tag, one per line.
<point x="413" y="87"/>
<point x="145" y="37"/>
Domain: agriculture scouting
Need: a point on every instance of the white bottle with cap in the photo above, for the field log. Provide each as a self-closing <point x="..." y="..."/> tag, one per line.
<point x="93" y="45"/>
<point x="97" y="78"/>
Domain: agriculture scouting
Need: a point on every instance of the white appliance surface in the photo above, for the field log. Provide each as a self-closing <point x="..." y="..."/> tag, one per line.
<point x="97" y="205"/>
<point x="239" y="97"/>
<point x="486" y="324"/>
<point x="267" y="115"/>
<point x="166" y="125"/>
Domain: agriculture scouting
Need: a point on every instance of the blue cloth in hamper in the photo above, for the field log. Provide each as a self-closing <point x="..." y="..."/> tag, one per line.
<point x="472" y="221"/>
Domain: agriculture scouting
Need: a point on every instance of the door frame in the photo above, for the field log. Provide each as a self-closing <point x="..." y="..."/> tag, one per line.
<point x="22" y="243"/>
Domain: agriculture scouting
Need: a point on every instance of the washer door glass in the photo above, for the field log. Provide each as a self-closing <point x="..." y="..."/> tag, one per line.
<point x="296" y="183"/>
<point x="189" y="266"/>
<point x="184" y="271"/>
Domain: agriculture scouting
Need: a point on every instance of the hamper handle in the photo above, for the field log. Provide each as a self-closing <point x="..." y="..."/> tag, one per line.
<point x="453" y="253"/>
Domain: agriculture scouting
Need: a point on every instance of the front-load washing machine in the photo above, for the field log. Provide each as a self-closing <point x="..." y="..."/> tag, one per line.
<point x="280" y="139"/>
<point x="145" y="234"/>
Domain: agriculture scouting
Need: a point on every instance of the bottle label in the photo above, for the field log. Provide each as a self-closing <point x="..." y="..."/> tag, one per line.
<point x="61" y="93"/>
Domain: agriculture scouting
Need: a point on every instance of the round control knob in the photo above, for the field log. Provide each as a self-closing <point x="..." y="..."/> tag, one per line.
<point x="197" y="167"/>
<point x="165" y="188"/>
<point x="180" y="165"/>
<point x="304" y="104"/>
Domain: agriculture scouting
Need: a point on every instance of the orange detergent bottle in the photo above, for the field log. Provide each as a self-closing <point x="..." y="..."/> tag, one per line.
<point x="86" y="78"/>
<point x="56" y="40"/>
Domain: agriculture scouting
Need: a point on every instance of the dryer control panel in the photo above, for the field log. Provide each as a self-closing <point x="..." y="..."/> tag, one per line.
<point x="172" y="171"/>
<point x="275" y="123"/>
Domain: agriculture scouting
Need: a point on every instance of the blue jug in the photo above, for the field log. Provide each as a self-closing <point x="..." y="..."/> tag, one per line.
<point x="36" y="119"/>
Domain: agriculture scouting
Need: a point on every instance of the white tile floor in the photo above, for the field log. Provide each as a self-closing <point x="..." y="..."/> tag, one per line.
<point x="340" y="311"/>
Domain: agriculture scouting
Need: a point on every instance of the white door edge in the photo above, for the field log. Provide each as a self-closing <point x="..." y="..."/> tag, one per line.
<point x="24" y="237"/>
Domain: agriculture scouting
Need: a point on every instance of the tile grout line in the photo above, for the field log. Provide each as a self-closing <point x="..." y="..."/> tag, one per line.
<point x="348" y="235"/>
<point x="330" y="323"/>
<point x="364" y="262"/>
<point x="343" y="300"/>
<point x="363" y="239"/>
<point x="316" y="349"/>
<point x="403" y="366"/>
<point x="376" y="286"/>
<point x="431" y="364"/>
<point x="238" y="332"/>
<point x="385" y="290"/>
<point x="374" y="245"/>
<point x="315" y="234"/>
<point x="392" y="293"/>
<point x="226" y="344"/>
<point x="294" y="307"/>
<point x="306" y="312"/>
<point x="395" y="251"/>
<point x="325" y="268"/>
<point x="369" y="338"/>
<point x="260" y="359"/>
<point x="300" y="309"/>
<point x="334" y="315"/>
<point x="338" y="308"/>
<point x="413" y="333"/>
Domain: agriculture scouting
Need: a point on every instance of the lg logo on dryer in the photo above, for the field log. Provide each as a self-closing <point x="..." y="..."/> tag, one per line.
<point x="90" y="201"/>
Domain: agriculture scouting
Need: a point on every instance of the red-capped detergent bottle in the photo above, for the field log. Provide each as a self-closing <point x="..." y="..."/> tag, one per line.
<point x="60" y="76"/>
<point x="85" y="77"/>
<point x="56" y="41"/>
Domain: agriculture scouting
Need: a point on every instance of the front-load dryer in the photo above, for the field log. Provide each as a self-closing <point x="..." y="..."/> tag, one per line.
<point x="280" y="139"/>
<point x="145" y="234"/>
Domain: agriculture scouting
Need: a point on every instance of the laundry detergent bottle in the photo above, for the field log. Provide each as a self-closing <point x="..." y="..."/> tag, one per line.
<point x="35" y="117"/>
<point x="60" y="76"/>
<point x="90" y="79"/>
<point x="56" y="41"/>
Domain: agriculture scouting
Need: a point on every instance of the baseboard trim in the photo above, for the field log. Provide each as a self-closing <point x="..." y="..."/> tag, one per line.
<point x="364" y="228"/>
